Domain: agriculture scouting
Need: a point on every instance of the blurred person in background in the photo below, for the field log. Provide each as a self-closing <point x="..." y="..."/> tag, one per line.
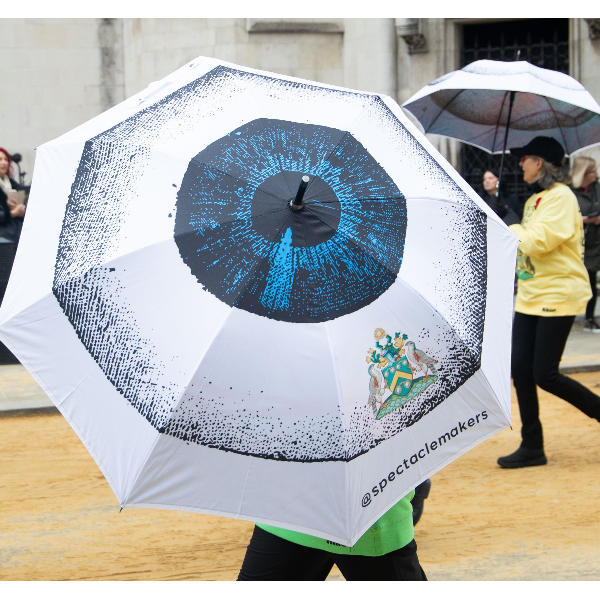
<point x="587" y="192"/>
<point x="499" y="200"/>
<point x="12" y="210"/>
<point x="553" y="288"/>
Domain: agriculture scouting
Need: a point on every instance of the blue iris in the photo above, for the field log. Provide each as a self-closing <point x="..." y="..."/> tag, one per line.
<point x="239" y="237"/>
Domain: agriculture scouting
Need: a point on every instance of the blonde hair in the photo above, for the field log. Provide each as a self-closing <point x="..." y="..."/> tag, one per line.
<point x="581" y="166"/>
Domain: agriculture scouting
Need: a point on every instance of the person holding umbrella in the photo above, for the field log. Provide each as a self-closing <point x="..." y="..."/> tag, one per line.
<point x="553" y="287"/>
<point x="587" y="190"/>
<point x="386" y="552"/>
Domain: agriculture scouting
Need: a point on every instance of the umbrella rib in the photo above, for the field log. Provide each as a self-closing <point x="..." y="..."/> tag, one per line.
<point x="185" y="387"/>
<point x="271" y="365"/>
<point x="482" y="373"/>
<point x="349" y="240"/>
<point x="345" y="428"/>
<point x="498" y="123"/>
<point x="558" y="123"/>
<point x="362" y="198"/>
<point x="198" y="162"/>
<point x="346" y="134"/>
<point x="193" y="232"/>
<point x="581" y="144"/>
<point x="178" y="402"/>
<point x="470" y="143"/>
<point x="251" y="217"/>
<point x="384" y="300"/>
<point x="443" y="110"/>
<point x="134" y="251"/>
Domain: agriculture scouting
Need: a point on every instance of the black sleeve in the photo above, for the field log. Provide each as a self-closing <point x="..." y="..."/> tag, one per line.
<point x="5" y="217"/>
<point x="514" y="206"/>
<point x="511" y="218"/>
<point x="15" y="185"/>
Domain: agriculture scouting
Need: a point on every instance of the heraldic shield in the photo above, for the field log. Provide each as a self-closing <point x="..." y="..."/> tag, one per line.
<point x="205" y="267"/>
<point x="391" y="371"/>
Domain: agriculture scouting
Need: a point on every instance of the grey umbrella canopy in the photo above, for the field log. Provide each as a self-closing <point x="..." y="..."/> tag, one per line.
<point x="473" y="105"/>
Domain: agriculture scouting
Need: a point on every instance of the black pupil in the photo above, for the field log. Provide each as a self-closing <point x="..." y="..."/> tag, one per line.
<point x="316" y="223"/>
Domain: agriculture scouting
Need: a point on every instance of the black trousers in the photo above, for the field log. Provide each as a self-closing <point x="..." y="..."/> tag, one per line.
<point x="537" y="347"/>
<point x="591" y="305"/>
<point x="271" y="558"/>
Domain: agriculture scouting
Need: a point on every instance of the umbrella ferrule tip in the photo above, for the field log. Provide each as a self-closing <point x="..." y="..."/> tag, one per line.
<point x="296" y="203"/>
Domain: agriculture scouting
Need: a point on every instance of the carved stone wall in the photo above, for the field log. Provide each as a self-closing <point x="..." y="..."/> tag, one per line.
<point x="411" y="31"/>
<point x="594" y="28"/>
<point x="112" y="66"/>
<point x="53" y="79"/>
<point x="295" y="25"/>
<point x="309" y="48"/>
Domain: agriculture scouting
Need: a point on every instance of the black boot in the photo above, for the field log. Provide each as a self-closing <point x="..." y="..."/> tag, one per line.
<point x="523" y="457"/>
<point x="421" y="492"/>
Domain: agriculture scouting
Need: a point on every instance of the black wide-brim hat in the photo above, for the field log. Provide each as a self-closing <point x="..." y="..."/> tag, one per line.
<point x="544" y="147"/>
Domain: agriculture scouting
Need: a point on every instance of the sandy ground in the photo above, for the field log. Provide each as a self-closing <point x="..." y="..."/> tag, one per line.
<point x="59" y="520"/>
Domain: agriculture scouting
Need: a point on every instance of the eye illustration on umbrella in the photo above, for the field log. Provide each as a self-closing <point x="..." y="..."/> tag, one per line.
<point x="229" y="243"/>
<point x="237" y="233"/>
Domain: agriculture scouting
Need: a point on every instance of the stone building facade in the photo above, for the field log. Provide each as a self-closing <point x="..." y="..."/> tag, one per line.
<point x="59" y="73"/>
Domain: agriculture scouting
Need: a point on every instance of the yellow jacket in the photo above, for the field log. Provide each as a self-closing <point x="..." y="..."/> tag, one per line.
<point x="553" y="281"/>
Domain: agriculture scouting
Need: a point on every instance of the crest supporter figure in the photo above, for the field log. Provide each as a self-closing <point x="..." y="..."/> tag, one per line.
<point x="553" y="287"/>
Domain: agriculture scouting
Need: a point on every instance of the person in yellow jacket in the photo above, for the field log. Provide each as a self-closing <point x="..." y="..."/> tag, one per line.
<point x="553" y="287"/>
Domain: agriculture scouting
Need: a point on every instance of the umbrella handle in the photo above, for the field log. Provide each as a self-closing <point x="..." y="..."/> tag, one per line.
<point x="296" y="203"/>
<point x="510" y="107"/>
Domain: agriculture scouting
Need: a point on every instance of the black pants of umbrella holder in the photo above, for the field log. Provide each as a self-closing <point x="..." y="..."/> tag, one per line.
<point x="271" y="558"/>
<point x="537" y="347"/>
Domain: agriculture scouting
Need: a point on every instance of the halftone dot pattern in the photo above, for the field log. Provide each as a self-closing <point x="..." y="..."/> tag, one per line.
<point x="206" y="410"/>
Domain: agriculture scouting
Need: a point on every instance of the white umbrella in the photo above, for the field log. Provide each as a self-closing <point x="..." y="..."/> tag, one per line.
<point x="481" y="101"/>
<point x="219" y="351"/>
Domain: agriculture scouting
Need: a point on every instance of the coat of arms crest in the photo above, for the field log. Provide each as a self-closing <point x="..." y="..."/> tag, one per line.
<point x="398" y="370"/>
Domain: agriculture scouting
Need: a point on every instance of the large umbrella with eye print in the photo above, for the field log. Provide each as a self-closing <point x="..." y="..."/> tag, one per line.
<point x="260" y="297"/>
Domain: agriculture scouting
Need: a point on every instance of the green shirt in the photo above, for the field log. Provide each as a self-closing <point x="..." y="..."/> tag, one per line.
<point x="391" y="531"/>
